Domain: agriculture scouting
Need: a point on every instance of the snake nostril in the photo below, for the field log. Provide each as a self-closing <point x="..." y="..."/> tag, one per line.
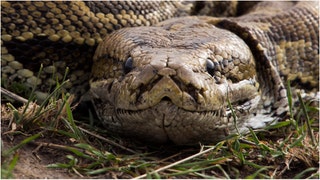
<point x="128" y="65"/>
<point x="165" y="98"/>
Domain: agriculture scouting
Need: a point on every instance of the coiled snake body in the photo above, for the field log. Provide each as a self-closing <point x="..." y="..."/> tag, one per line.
<point x="177" y="80"/>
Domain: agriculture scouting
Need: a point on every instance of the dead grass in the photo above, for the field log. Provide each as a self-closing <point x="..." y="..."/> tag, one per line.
<point x="45" y="141"/>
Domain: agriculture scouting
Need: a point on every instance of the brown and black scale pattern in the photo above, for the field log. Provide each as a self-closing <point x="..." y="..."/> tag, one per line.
<point x="60" y="34"/>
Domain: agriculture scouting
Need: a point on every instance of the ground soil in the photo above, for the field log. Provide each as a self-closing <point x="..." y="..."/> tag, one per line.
<point x="33" y="159"/>
<point x="33" y="163"/>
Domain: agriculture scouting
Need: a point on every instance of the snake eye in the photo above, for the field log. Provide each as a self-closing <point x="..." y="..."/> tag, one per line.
<point x="210" y="67"/>
<point x="128" y="65"/>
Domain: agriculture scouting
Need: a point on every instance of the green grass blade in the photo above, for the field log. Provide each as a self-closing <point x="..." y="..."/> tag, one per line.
<point x="233" y="115"/>
<point x="255" y="174"/>
<point x="43" y="104"/>
<point x="304" y="109"/>
<point x="255" y="137"/>
<point x="289" y="95"/>
<point x="71" y="124"/>
<point x="6" y="173"/>
<point x="278" y="125"/>
<point x="298" y="141"/>
<point x="301" y="174"/>
<point x="22" y="143"/>
<point x="192" y="170"/>
<point x="100" y="171"/>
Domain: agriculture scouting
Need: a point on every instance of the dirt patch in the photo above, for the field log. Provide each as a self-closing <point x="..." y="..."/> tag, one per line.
<point x="32" y="163"/>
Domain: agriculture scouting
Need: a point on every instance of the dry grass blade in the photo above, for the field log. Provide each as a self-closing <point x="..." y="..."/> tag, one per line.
<point x="107" y="140"/>
<point x="178" y="162"/>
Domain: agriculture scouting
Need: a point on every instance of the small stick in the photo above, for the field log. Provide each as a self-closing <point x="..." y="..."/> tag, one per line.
<point x="54" y="146"/>
<point x="13" y="95"/>
<point x="170" y="157"/>
<point x="107" y="140"/>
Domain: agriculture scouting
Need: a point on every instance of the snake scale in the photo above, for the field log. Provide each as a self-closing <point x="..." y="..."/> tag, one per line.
<point x="167" y="80"/>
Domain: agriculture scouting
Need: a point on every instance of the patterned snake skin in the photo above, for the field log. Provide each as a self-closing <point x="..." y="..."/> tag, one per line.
<point x="171" y="81"/>
<point x="61" y="34"/>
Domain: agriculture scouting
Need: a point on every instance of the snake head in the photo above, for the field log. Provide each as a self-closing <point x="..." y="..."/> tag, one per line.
<point x="173" y="82"/>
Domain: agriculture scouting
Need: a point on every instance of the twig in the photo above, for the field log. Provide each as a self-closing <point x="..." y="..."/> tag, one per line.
<point x="176" y="163"/>
<point x="34" y="152"/>
<point x="54" y="146"/>
<point x="77" y="172"/>
<point x="170" y="157"/>
<point x="13" y="95"/>
<point x="107" y="140"/>
<point x="287" y="167"/>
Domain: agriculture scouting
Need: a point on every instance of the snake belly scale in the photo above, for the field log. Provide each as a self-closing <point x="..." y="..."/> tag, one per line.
<point x="171" y="81"/>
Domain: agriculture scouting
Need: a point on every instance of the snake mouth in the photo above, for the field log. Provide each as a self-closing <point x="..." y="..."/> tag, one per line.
<point x="166" y="120"/>
<point x="169" y="123"/>
<point x="168" y="108"/>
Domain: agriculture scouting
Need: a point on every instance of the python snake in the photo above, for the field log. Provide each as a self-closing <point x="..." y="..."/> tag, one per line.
<point x="175" y="80"/>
